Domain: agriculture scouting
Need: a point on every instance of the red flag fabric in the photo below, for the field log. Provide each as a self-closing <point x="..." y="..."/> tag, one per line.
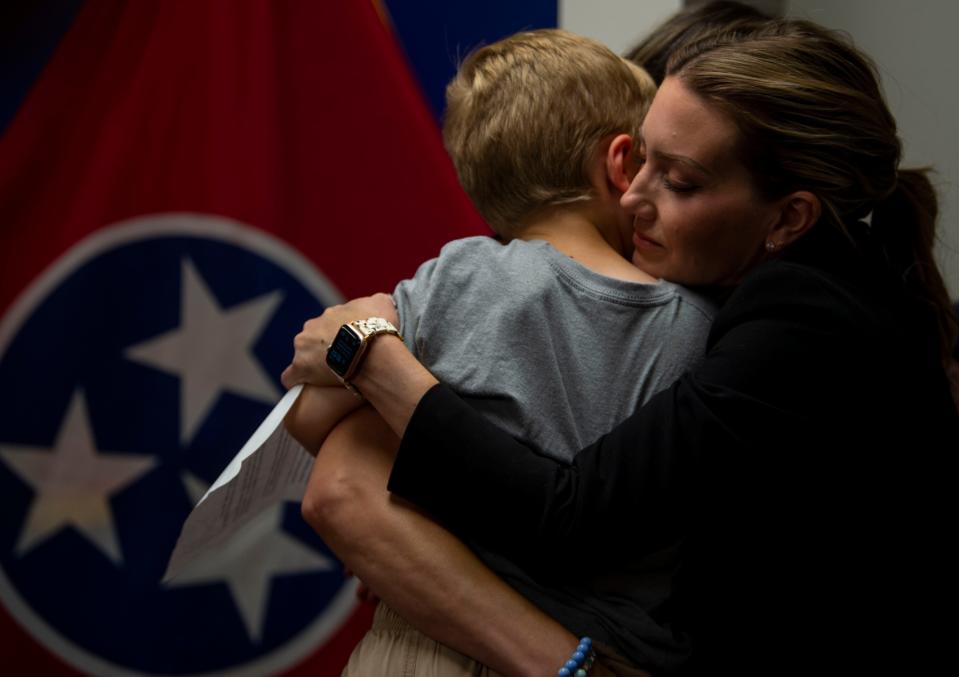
<point x="185" y="184"/>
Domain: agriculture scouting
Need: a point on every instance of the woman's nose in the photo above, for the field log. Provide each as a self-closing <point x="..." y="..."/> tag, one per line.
<point x="636" y="202"/>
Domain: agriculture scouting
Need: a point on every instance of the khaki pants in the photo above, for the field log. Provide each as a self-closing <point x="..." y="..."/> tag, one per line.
<point x="394" y="648"/>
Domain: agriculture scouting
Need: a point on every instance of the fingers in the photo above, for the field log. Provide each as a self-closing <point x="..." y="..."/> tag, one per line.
<point x="310" y="345"/>
<point x="308" y="341"/>
<point x="309" y="356"/>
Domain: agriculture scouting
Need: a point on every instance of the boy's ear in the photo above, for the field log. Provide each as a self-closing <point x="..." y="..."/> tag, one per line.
<point x="798" y="212"/>
<point x="620" y="163"/>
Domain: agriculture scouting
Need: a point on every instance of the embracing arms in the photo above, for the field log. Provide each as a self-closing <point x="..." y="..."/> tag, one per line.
<point x="785" y="326"/>
<point x="395" y="383"/>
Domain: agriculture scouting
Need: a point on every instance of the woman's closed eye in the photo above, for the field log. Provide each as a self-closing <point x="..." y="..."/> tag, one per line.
<point x="678" y="186"/>
<point x="675" y="185"/>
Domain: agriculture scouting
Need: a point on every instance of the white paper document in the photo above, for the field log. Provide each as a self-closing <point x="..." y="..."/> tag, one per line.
<point x="271" y="467"/>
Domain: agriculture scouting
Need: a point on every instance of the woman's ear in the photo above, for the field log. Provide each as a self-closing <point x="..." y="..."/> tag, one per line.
<point x="798" y="212"/>
<point x="620" y="163"/>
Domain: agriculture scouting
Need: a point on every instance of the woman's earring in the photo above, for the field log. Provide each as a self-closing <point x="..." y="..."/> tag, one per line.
<point x="771" y="246"/>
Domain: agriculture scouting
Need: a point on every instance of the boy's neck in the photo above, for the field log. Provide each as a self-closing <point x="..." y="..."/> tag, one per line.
<point x="578" y="237"/>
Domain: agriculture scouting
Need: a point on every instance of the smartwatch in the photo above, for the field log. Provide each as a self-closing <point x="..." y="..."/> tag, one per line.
<point x="346" y="352"/>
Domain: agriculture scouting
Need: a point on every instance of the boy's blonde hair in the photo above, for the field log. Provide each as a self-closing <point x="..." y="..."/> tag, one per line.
<point x="525" y="118"/>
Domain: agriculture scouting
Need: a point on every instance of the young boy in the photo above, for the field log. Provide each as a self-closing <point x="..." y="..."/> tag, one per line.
<point x="532" y="326"/>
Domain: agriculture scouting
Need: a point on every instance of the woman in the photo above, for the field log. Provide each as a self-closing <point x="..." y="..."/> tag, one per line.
<point x="796" y="463"/>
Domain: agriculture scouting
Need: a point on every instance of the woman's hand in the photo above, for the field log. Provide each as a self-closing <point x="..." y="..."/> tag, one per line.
<point x="310" y="345"/>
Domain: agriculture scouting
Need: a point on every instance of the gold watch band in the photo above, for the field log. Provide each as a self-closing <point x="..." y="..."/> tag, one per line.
<point x="366" y="330"/>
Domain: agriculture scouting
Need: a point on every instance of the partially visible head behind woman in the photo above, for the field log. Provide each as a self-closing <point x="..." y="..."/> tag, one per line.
<point x="811" y="117"/>
<point x="689" y="25"/>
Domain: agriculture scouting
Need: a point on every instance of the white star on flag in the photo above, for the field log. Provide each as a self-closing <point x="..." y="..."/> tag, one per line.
<point x="211" y="351"/>
<point x="249" y="561"/>
<point x="73" y="483"/>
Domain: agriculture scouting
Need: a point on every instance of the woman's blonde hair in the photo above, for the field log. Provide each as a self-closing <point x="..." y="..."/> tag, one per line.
<point x="525" y="117"/>
<point x="811" y="116"/>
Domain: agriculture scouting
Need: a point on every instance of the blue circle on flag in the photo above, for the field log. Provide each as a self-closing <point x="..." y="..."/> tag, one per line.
<point x="128" y="380"/>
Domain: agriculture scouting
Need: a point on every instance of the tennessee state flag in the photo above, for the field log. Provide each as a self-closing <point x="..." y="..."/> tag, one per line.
<point x="185" y="184"/>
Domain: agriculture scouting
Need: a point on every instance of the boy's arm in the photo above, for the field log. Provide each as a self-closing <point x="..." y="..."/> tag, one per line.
<point x="416" y="566"/>
<point x="316" y="411"/>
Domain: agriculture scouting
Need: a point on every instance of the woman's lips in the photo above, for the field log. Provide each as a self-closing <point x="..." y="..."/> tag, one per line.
<point x="643" y="242"/>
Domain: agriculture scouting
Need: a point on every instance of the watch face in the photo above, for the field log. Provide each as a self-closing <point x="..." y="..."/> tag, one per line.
<point x="342" y="351"/>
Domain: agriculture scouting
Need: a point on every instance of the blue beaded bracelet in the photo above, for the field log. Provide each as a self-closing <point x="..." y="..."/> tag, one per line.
<point x="581" y="661"/>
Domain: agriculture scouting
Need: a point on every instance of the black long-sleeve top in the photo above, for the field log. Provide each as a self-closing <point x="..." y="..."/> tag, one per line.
<point x="804" y="468"/>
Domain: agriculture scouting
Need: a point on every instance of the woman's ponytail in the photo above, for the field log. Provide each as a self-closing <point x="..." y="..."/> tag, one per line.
<point x="904" y="223"/>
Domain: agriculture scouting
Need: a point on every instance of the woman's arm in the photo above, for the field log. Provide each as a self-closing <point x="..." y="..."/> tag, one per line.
<point x="316" y="411"/>
<point x="415" y="565"/>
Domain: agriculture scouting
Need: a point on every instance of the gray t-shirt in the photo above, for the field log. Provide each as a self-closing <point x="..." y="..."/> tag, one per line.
<point x="551" y="351"/>
<point x="557" y="355"/>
